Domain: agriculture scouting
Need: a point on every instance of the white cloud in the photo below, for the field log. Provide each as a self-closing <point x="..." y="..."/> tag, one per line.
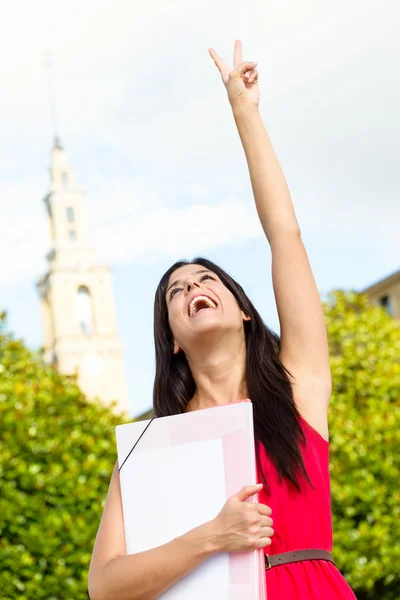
<point x="146" y="123"/>
<point x="129" y="223"/>
<point x="23" y="232"/>
<point x="182" y="232"/>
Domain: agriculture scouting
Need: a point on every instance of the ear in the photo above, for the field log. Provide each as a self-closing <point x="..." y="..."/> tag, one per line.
<point x="176" y="349"/>
<point x="245" y="317"/>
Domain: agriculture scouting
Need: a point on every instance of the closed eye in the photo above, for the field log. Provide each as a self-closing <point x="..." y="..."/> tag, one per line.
<point x="172" y="294"/>
<point x="176" y="289"/>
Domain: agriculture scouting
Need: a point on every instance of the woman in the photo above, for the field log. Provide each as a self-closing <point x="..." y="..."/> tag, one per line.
<point x="213" y="348"/>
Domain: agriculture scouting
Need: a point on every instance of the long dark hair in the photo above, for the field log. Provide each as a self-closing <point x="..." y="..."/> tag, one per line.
<point x="276" y="418"/>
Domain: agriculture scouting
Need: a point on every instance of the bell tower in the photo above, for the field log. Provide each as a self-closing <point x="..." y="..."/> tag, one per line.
<point x="76" y="295"/>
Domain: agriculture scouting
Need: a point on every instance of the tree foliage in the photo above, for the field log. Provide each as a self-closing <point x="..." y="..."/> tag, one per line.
<point x="57" y="453"/>
<point x="364" y="423"/>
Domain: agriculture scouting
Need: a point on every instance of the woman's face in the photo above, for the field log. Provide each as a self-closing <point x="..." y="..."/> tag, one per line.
<point x="199" y="304"/>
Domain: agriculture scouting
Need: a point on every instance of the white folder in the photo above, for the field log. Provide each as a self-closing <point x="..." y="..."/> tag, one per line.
<point x="176" y="473"/>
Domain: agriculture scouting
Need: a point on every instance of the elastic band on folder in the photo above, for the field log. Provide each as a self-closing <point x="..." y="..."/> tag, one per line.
<point x="136" y="443"/>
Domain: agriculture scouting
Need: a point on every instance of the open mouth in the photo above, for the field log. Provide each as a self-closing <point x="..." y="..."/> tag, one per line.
<point x="199" y="304"/>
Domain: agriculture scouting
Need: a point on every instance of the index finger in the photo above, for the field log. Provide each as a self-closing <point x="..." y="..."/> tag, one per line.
<point x="223" y="68"/>
<point x="237" y="54"/>
<point x="263" y="509"/>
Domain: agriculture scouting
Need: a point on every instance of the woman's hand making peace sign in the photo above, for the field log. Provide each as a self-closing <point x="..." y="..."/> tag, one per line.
<point x="241" y="82"/>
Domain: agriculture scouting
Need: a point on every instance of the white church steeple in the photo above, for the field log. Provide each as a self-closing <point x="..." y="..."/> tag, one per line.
<point x="66" y="211"/>
<point x="77" y="302"/>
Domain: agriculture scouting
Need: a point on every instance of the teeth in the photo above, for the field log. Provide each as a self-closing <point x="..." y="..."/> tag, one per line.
<point x="208" y="301"/>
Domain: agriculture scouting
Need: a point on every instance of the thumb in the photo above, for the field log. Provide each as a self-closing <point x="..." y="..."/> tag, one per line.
<point x="243" y="68"/>
<point x="248" y="491"/>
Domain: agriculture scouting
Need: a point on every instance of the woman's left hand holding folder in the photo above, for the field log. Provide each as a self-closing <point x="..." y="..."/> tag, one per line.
<point x="242" y="526"/>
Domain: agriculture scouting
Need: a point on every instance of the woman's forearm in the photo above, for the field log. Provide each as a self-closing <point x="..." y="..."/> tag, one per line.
<point x="146" y="575"/>
<point x="271" y="192"/>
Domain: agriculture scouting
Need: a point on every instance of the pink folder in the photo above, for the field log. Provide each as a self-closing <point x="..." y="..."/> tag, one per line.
<point x="176" y="473"/>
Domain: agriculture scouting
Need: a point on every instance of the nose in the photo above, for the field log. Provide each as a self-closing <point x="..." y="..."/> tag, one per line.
<point x="189" y="285"/>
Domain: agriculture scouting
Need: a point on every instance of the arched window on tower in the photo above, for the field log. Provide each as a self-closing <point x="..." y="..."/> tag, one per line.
<point x="84" y="310"/>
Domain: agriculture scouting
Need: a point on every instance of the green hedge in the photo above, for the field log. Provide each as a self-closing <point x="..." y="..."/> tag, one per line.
<point x="57" y="453"/>
<point x="364" y="424"/>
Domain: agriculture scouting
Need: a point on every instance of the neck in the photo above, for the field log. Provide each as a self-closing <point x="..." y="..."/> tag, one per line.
<point x="219" y="375"/>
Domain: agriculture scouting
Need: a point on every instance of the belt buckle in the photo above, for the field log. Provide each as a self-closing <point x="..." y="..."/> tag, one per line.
<point x="268" y="565"/>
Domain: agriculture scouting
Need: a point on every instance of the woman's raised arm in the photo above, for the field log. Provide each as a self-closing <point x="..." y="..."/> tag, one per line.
<point x="304" y="344"/>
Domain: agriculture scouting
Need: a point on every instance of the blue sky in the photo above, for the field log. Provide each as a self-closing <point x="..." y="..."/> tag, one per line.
<point x="145" y="121"/>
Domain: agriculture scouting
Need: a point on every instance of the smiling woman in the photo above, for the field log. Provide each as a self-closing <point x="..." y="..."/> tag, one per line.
<point x="213" y="348"/>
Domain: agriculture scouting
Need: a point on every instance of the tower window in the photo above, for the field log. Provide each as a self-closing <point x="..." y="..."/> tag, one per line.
<point x="72" y="235"/>
<point x="70" y="214"/>
<point x="64" y="178"/>
<point x="386" y="303"/>
<point x="84" y="310"/>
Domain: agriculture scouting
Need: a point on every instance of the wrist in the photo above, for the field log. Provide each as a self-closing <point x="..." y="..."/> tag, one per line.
<point x="243" y="109"/>
<point x="213" y="537"/>
<point x="203" y="540"/>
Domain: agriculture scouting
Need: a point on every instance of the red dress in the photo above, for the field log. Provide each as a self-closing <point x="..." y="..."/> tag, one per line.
<point x="302" y="521"/>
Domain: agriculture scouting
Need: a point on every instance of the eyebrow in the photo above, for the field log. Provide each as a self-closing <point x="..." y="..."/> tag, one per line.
<point x="178" y="281"/>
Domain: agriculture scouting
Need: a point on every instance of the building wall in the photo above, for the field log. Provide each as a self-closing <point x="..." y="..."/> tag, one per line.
<point x="386" y="293"/>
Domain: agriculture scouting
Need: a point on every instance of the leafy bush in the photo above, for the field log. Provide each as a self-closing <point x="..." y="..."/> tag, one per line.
<point x="364" y="421"/>
<point x="57" y="453"/>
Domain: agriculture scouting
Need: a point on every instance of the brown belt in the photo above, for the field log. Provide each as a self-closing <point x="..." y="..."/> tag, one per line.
<point x="296" y="556"/>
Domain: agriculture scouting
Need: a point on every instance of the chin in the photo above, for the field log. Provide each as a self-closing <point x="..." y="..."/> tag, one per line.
<point x="211" y="323"/>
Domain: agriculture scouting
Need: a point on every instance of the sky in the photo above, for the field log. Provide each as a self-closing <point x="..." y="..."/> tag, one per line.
<point x="144" y="118"/>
